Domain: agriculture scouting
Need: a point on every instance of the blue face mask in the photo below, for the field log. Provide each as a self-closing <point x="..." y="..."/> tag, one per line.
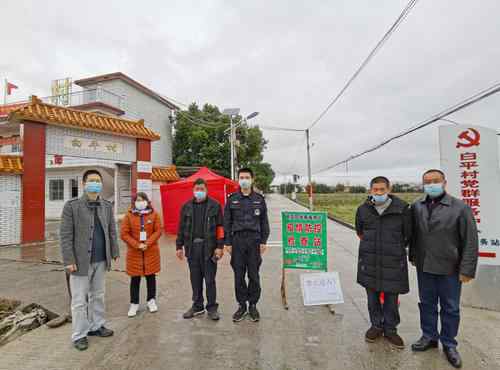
<point x="245" y="183"/>
<point x="93" y="187"/>
<point x="379" y="199"/>
<point x="434" y="190"/>
<point x="200" y="195"/>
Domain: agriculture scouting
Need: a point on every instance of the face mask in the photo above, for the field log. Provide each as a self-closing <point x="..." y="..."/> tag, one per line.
<point x="200" y="195"/>
<point x="245" y="183"/>
<point x="434" y="190"/>
<point x="379" y="199"/>
<point x="141" y="205"/>
<point x="93" y="187"/>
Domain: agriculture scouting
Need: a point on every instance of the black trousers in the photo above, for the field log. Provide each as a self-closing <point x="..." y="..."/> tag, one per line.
<point x="246" y="260"/>
<point x="201" y="268"/>
<point x="384" y="316"/>
<point x="135" y="284"/>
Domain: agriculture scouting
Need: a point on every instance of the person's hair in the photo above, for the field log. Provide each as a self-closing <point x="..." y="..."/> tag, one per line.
<point x="200" y="181"/>
<point x="434" y="170"/>
<point x="245" y="170"/>
<point x="91" y="172"/>
<point x="380" y="180"/>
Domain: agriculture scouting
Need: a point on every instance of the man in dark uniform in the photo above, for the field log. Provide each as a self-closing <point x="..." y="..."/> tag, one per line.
<point x="201" y="240"/>
<point x="246" y="229"/>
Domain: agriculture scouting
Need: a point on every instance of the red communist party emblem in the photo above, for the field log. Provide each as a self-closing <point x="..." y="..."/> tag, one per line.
<point x="468" y="138"/>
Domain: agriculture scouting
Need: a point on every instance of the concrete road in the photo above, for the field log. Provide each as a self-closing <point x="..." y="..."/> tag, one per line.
<point x="300" y="338"/>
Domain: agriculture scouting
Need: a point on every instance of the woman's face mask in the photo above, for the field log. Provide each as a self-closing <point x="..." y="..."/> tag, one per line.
<point x="141" y="205"/>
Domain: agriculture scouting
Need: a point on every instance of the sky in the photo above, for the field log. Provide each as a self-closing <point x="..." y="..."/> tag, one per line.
<point x="284" y="59"/>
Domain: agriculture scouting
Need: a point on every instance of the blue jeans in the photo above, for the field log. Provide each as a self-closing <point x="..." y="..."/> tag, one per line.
<point x="446" y="289"/>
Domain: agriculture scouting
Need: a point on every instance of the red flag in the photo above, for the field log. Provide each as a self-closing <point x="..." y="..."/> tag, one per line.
<point x="10" y="87"/>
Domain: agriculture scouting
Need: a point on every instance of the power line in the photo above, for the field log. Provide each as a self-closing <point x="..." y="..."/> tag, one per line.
<point x="458" y="123"/>
<point x="377" y="47"/>
<point x="439" y="116"/>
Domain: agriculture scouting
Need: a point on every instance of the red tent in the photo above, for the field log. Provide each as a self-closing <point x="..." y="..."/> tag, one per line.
<point x="174" y="195"/>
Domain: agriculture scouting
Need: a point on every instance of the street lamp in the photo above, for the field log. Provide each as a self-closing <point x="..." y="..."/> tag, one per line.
<point x="233" y="112"/>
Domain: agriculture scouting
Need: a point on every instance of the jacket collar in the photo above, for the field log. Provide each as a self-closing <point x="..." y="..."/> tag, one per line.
<point x="89" y="202"/>
<point x="445" y="200"/>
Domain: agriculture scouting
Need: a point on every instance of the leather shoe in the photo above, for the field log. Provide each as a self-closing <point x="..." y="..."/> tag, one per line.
<point x="101" y="332"/>
<point x="423" y="344"/>
<point x="453" y="357"/>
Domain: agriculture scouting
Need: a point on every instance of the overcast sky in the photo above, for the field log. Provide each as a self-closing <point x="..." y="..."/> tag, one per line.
<point x="285" y="59"/>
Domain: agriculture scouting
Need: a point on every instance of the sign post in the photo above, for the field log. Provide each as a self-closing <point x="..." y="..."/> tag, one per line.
<point x="469" y="157"/>
<point x="304" y="244"/>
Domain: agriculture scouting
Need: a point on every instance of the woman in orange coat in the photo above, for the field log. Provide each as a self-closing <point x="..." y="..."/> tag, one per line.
<point x="140" y="230"/>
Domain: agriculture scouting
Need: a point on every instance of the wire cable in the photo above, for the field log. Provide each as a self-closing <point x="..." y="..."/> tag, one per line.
<point x="436" y="117"/>
<point x="374" y="51"/>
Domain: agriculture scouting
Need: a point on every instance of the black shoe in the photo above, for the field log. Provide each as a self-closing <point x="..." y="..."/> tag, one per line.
<point x="241" y="313"/>
<point x="254" y="313"/>
<point x="214" y="315"/>
<point x="81" y="344"/>
<point x="192" y="312"/>
<point x="101" y="332"/>
<point x="423" y="344"/>
<point x="453" y="357"/>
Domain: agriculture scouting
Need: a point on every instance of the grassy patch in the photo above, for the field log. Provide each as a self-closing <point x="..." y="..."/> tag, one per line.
<point x="344" y="205"/>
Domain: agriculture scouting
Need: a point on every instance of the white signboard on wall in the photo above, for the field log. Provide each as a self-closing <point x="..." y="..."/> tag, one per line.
<point x="469" y="157"/>
<point x="95" y="145"/>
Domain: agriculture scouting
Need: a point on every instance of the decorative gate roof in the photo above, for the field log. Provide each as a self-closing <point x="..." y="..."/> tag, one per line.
<point x="11" y="164"/>
<point x="55" y="115"/>
<point x="165" y="174"/>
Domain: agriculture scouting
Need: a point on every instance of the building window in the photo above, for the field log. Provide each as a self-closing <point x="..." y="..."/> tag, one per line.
<point x="16" y="148"/>
<point x="56" y="189"/>
<point x="74" y="188"/>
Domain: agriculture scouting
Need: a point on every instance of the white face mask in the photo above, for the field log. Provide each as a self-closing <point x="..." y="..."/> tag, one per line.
<point x="141" y="205"/>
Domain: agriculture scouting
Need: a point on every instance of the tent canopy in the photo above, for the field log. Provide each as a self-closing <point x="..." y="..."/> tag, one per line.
<point x="174" y="195"/>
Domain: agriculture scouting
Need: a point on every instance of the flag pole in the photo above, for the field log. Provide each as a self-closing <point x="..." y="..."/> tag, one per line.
<point x="5" y="92"/>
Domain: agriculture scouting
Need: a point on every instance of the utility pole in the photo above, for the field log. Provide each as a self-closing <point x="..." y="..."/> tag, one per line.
<point x="309" y="174"/>
<point x="231" y="142"/>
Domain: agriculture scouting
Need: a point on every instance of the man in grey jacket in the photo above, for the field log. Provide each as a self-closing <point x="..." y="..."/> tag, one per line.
<point x="444" y="250"/>
<point x="88" y="243"/>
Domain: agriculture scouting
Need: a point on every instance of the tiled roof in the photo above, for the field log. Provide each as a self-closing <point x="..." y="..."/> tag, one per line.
<point x="5" y="110"/>
<point x="165" y="174"/>
<point x="38" y="111"/>
<point x="11" y="164"/>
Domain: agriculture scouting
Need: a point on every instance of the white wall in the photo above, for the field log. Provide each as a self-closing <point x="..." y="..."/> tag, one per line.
<point x="10" y="209"/>
<point x="155" y="115"/>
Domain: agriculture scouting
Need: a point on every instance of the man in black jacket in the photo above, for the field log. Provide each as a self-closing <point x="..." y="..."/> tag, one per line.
<point x="201" y="239"/>
<point x="246" y="228"/>
<point x="445" y="251"/>
<point x="383" y="224"/>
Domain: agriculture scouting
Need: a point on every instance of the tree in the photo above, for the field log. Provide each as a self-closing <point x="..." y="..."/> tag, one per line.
<point x="201" y="139"/>
<point x="339" y="188"/>
<point x="357" y="189"/>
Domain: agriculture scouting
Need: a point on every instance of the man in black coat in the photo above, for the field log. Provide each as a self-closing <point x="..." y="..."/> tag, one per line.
<point x="444" y="250"/>
<point x="201" y="239"/>
<point x="383" y="224"/>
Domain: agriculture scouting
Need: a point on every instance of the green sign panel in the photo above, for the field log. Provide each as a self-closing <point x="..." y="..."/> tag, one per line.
<point x="304" y="240"/>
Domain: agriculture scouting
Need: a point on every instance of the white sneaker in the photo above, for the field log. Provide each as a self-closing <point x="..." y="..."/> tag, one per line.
<point x="132" y="311"/>
<point x="152" y="306"/>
